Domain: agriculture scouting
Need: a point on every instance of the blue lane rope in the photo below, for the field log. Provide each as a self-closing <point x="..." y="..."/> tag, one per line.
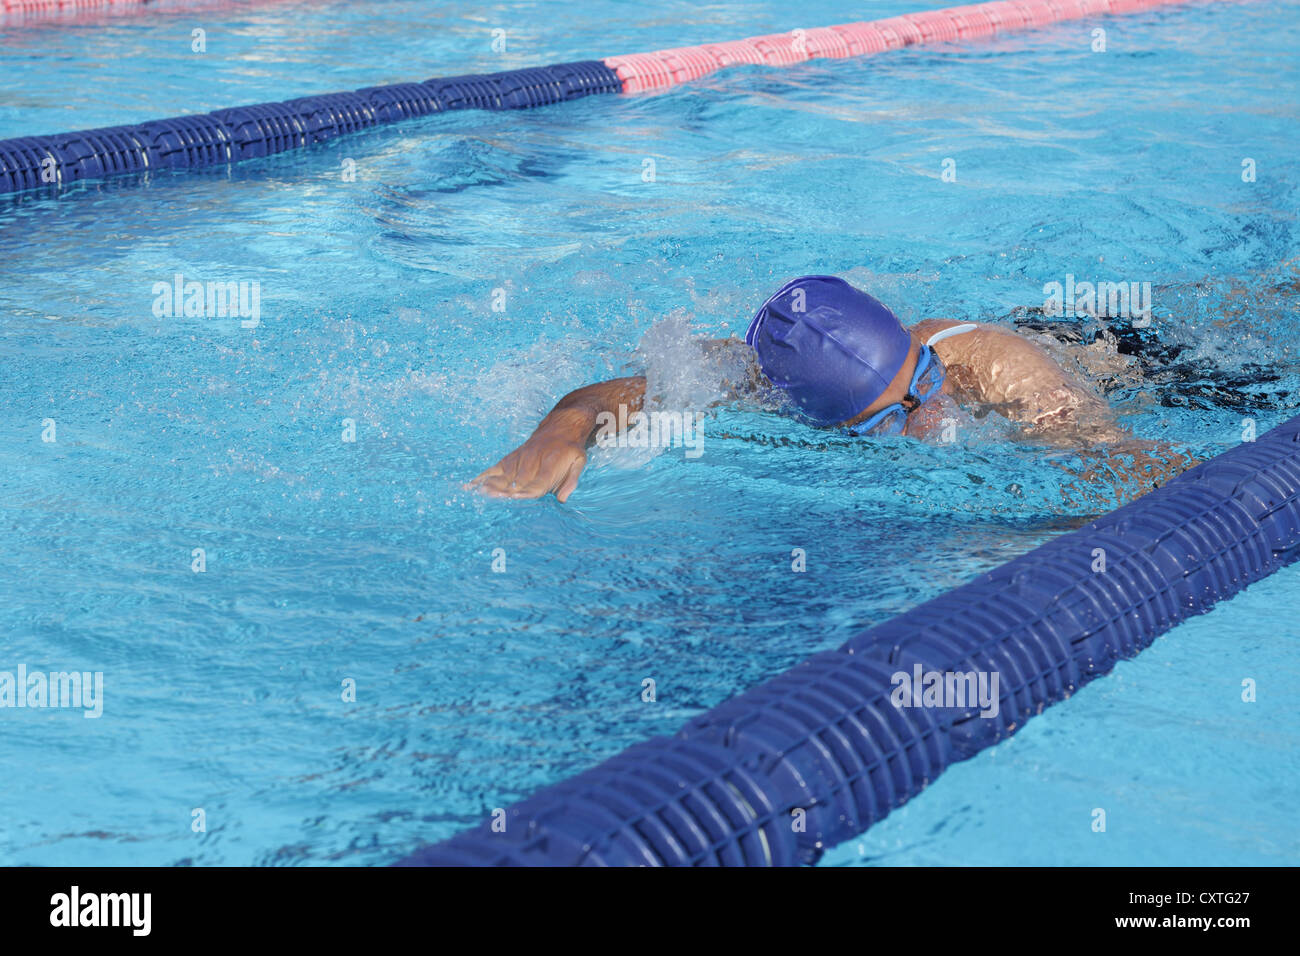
<point x="228" y="136"/>
<point x="246" y="132"/>
<point x="824" y="737"/>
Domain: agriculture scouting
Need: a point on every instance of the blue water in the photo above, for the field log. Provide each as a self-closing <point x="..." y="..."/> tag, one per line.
<point x="329" y="560"/>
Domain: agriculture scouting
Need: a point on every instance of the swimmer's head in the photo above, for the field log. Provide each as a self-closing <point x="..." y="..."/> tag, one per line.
<point x="833" y="349"/>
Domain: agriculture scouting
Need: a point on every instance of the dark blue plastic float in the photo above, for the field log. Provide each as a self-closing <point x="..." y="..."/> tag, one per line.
<point x="264" y="129"/>
<point x="824" y="738"/>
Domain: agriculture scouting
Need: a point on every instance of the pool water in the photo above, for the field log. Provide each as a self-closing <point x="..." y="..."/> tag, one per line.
<point x="329" y="561"/>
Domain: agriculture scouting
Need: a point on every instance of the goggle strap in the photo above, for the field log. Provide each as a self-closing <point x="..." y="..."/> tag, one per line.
<point x="955" y="330"/>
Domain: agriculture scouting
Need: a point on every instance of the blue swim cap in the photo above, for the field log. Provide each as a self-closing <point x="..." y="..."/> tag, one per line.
<point x="832" y="348"/>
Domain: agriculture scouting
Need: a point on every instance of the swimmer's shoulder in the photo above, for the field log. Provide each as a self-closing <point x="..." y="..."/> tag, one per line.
<point x="980" y="339"/>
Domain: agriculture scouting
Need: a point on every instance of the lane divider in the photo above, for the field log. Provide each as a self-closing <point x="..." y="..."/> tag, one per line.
<point x="664" y="68"/>
<point x="815" y="756"/>
<point x="245" y="132"/>
<point x="48" y="6"/>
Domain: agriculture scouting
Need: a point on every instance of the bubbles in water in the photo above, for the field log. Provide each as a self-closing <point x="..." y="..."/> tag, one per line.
<point x="520" y="388"/>
<point x="680" y="374"/>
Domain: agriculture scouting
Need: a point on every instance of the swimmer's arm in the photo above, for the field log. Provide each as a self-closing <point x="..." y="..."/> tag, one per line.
<point x="1118" y="472"/>
<point x="552" y="458"/>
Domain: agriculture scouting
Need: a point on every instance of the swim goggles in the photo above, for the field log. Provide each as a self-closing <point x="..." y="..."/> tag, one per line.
<point x="927" y="381"/>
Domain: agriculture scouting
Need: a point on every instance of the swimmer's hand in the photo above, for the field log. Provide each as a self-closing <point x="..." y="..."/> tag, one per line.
<point x="553" y="457"/>
<point x="551" y="460"/>
<point x="1126" y="469"/>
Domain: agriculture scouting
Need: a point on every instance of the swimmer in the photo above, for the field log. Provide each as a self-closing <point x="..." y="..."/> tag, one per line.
<point x="844" y="361"/>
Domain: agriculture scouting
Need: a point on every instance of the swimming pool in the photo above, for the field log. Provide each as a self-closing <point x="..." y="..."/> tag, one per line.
<point x="329" y="560"/>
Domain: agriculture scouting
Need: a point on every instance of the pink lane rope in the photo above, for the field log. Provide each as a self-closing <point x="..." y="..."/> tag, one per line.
<point x="53" y="6"/>
<point x="664" y="68"/>
<point x="67" y="8"/>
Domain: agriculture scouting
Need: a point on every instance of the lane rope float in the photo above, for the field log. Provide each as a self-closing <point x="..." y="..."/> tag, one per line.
<point x="828" y="740"/>
<point x="264" y="129"/>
